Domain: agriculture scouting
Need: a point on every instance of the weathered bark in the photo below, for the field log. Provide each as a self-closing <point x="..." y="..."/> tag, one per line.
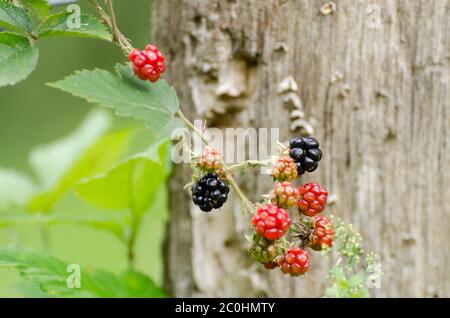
<point x="377" y="99"/>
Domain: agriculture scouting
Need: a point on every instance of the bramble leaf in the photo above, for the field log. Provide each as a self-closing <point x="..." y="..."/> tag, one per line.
<point x="154" y="104"/>
<point x="18" y="58"/>
<point x="130" y="185"/>
<point x="160" y="92"/>
<point x="66" y="24"/>
<point x="109" y="225"/>
<point x="39" y="8"/>
<point x="52" y="160"/>
<point x="15" y="18"/>
<point x="84" y="153"/>
<point x="53" y="275"/>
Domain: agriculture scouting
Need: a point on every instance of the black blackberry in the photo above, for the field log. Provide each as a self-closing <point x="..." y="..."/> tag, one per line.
<point x="210" y="192"/>
<point x="306" y="153"/>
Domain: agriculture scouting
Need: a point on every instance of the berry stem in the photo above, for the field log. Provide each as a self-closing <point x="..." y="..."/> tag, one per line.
<point x="111" y="23"/>
<point x="249" y="164"/>
<point x="247" y="204"/>
<point x="115" y="29"/>
<point x="135" y="221"/>
<point x="191" y="126"/>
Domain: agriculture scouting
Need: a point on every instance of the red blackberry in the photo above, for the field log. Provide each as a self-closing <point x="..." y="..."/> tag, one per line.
<point x="148" y="64"/>
<point x="313" y="198"/>
<point x="295" y="262"/>
<point x="210" y="192"/>
<point x="271" y="221"/>
<point x="306" y="153"/>
<point x="323" y="234"/>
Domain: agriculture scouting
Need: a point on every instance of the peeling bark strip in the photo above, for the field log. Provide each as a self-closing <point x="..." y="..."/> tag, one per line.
<point x="383" y="123"/>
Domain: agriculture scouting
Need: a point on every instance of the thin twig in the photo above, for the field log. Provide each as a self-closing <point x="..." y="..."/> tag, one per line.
<point x="191" y="127"/>
<point x="114" y="27"/>
<point x="131" y="244"/>
<point x="249" y="164"/>
<point x="247" y="204"/>
<point x="111" y="23"/>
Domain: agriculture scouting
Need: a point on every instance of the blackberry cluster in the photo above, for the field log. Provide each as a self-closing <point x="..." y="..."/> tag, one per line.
<point x="210" y="192"/>
<point x="306" y="153"/>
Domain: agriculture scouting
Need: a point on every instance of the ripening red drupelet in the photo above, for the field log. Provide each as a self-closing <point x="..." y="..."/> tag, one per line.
<point x="323" y="234"/>
<point x="210" y="159"/>
<point x="295" y="262"/>
<point x="313" y="198"/>
<point x="148" y="64"/>
<point x="271" y="221"/>
<point x="286" y="194"/>
<point x="284" y="169"/>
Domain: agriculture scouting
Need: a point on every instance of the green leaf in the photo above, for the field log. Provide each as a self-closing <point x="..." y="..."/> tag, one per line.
<point x="141" y="286"/>
<point x="51" y="161"/>
<point x="15" y="18"/>
<point x="52" y="275"/>
<point x="15" y="189"/>
<point x="39" y="8"/>
<point x="333" y="292"/>
<point x="356" y="280"/>
<point x="18" y="58"/>
<point x="152" y="103"/>
<point x="160" y="92"/>
<point x="132" y="184"/>
<point x="338" y="274"/>
<point x="95" y="222"/>
<point x="66" y="24"/>
<point x="78" y="156"/>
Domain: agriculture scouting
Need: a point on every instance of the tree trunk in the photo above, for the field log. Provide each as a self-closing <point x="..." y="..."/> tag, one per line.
<point x="373" y="81"/>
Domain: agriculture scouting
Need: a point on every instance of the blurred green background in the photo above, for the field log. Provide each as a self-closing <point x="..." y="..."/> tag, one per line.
<point x="32" y="113"/>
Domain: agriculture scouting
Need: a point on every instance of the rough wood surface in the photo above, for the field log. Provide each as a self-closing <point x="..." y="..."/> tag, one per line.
<point x="376" y="97"/>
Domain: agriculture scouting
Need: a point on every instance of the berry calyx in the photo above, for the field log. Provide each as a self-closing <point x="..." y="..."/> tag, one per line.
<point x="148" y="64"/>
<point x="271" y="221"/>
<point x="264" y="250"/>
<point x="210" y="160"/>
<point x="323" y="234"/>
<point x="284" y="169"/>
<point x="286" y="194"/>
<point x="313" y="198"/>
<point x="306" y="153"/>
<point x="210" y="192"/>
<point x="295" y="262"/>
